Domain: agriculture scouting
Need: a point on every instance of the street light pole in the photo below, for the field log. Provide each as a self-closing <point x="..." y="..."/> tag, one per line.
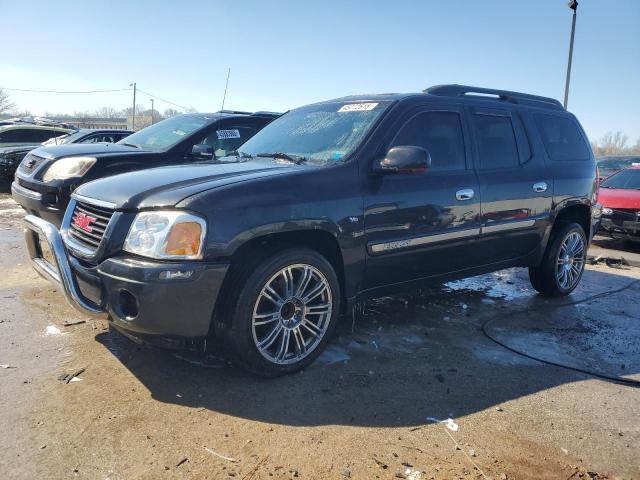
<point x="573" y="5"/>
<point x="133" y="112"/>
<point x="152" y="111"/>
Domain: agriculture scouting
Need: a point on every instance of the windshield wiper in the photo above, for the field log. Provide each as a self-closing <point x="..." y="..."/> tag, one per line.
<point x="236" y="153"/>
<point x="297" y="159"/>
<point x="131" y="145"/>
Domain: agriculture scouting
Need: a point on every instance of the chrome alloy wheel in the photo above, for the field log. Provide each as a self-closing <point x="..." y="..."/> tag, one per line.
<point x="292" y="314"/>
<point x="570" y="262"/>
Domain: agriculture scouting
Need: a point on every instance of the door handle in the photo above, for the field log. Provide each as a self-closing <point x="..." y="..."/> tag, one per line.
<point x="540" y="187"/>
<point x="465" y="194"/>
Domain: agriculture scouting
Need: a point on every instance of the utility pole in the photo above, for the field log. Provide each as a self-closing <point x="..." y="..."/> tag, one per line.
<point x="573" y="5"/>
<point x="152" y="111"/>
<point x="225" y="88"/>
<point x="133" y="112"/>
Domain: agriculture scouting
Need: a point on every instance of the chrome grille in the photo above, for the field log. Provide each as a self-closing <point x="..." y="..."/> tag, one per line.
<point x="95" y="220"/>
<point x="31" y="162"/>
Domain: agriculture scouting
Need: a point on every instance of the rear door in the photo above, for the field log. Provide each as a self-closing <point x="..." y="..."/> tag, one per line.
<point x="423" y="224"/>
<point x="516" y="188"/>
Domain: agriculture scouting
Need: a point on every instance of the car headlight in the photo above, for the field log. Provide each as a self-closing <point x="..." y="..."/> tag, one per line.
<point x="607" y="211"/>
<point x="68" y="167"/>
<point x="168" y="234"/>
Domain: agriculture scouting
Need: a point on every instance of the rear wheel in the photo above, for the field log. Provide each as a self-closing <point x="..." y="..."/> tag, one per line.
<point x="563" y="264"/>
<point x="285" y="312"/>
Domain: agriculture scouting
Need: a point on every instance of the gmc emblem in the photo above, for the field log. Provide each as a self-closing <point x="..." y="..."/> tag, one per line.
<point x="84" y="221"/>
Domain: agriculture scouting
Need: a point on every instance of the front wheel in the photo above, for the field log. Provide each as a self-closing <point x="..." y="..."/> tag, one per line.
<point x="285" y="312"/>
<point x="563" y="264"/>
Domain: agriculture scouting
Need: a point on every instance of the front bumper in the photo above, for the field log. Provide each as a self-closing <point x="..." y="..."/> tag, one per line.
<point x="620" y="228"/>
<point x="37" y="203"/>
<point x="133" y="293"/>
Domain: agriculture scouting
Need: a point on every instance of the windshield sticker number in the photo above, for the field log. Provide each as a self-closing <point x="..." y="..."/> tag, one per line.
<point x="357" y="107"/>
<point x="225" y="134"/>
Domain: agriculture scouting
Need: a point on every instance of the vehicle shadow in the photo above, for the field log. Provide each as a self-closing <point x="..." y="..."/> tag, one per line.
<point x="408" y="358"/>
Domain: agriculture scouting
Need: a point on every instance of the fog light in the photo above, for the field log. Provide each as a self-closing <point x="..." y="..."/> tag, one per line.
<point x="128" y="305"/>
<point x="175" y="274"/>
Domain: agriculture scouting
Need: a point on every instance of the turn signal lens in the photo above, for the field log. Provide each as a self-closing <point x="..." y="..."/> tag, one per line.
<point x="184" y="239"/>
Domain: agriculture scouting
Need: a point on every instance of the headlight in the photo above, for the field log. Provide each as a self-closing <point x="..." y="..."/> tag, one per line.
<point x="68" y="167"/>
<point x="166" y="235"/>
<point x="607" y="211"/>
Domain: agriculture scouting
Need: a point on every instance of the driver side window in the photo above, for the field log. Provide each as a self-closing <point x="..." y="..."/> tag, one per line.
<point x="440" y="133"/>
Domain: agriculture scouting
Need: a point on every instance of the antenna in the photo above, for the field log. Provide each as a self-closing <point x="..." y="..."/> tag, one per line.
<point x="225" y="88"/>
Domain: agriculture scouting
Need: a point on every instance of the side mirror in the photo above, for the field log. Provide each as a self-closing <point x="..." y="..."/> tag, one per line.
<point x="202" y="150"/>
<point x="405" y="159"/>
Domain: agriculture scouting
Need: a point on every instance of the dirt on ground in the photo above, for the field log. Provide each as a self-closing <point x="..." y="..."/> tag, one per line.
<point x="411" y="387"/>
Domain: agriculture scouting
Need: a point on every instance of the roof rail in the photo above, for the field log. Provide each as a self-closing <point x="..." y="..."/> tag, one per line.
<point x="264" y="113"/>
<point x="503" y="95"/>
<point x="237" y="112"/>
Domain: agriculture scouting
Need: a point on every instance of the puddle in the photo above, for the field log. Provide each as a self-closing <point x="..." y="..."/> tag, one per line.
<point x="333" y="354"/>
<point x="498" y="285"/>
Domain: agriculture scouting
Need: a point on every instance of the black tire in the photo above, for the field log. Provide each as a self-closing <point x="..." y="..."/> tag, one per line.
<point x="543" y="277"/>
<point x="241" y="333"/>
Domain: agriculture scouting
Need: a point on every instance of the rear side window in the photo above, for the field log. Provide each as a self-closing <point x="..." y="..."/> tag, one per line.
<point x="562" y="139"/>
<point x="497" y="147"/>
<point x="440" y="133"/>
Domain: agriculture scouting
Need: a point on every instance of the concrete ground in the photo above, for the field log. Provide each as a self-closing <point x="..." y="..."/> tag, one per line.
<point x="377" y="404"/>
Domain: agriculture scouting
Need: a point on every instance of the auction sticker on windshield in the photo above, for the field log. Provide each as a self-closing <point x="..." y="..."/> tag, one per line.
<point x="225" y="134"/>
<point x="357" y="107"/>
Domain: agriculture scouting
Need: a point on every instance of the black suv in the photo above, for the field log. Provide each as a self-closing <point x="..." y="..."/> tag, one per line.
<point x="329" y="204"/>
<point x="47" y="176"/>
<point x="10" y="157"/>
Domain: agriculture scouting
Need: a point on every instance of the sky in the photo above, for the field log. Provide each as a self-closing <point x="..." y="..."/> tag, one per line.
<point x="284" y="54"/>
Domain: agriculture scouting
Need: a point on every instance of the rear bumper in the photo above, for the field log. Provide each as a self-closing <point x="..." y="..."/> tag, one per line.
<point x="135" y="294"/>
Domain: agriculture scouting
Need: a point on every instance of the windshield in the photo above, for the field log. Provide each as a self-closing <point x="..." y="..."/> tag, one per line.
<point x="165" y="134"/>
<point x="317" y="133"/>
<point x="626" y="179"/>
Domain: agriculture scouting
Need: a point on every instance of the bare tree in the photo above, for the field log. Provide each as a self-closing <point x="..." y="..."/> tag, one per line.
<point x="5" y="102"/>
<point x="107" y="112"/>
<point x="171" y="112"/>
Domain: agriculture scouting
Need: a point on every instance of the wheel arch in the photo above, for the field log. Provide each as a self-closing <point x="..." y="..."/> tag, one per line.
<point x="249" y="253"/>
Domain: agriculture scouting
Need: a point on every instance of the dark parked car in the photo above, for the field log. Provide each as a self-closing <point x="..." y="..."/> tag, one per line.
<point x="10" y="157"/>
<point x="607" y="166"/>
<point x="27" y="134"/>
<point x="329" y="204"/>
<point x="47" y="176"/>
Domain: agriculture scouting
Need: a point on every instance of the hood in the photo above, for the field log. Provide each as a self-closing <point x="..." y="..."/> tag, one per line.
<point x="619" y="198"/>
<point x="53" y="152"/>
<point x="21" y="148"/>
<point x="167" y="186"/>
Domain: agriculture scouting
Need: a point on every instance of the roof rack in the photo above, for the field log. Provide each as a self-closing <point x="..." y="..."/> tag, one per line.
<point x="503" y="95"/>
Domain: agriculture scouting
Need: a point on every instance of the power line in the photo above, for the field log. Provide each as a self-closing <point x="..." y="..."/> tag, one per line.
<point x="65" y="91"/>
<point x="94" y="91"/>
<point x="163" y="100"/>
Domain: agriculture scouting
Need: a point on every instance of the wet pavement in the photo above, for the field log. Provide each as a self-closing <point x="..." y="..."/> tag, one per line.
<point x="368" y="408"/>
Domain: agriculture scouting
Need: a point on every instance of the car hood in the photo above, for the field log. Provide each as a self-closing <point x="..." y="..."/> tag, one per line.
<point x="619" y="198"/>
<point x="53" y="152"/>
<point x="21" y="148"/>
<point x="167" y="186"/>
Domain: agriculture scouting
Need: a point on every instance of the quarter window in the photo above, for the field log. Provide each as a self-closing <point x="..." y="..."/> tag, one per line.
<point x="562" y="138"/>
<point x="497" y="146"/>
<point x="440" y="133"/>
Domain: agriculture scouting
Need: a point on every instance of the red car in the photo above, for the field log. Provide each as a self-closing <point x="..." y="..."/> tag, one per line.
<point x="620" y="199"/>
